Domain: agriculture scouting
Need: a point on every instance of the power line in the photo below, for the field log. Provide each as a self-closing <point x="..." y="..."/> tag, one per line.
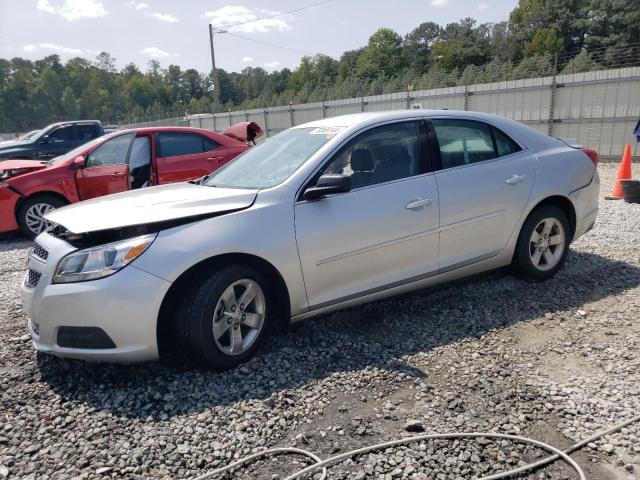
<point x="276" y="14"/>
<point x="270" y="44"/>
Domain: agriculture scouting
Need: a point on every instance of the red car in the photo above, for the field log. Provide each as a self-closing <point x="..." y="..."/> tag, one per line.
<point x="117" y="162"/>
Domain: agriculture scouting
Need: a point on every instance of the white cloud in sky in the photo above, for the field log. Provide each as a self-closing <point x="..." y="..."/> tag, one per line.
<point x="155" y="52"/>
<point x="232" y="14"/>
<point x="55" y="48"/>
<point x="73" y="9"/>
<point x="271" y="65"/>
<point x="439" y="3"/>
<point x="141" y="6"/>
<point x="247" y="59"/>
<point x="164" y="17"/>
<point x="483" y="6"/>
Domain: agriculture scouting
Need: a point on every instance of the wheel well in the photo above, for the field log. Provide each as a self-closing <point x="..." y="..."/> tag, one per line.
<point x="168" y="317"/>
<point x="564" y="204"/>
<point x="20" y="202"/>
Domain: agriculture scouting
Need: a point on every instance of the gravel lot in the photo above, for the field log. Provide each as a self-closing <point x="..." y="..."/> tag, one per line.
<point x="555" y="361"/>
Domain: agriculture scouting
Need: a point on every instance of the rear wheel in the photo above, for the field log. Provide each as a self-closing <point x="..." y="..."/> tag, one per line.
<point x="30" y="214"/>
<point x="225" y="318"/>
<point x="543" y="243"/>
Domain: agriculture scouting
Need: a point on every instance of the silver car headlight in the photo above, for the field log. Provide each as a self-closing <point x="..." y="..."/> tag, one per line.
<point x="102" y="261"/>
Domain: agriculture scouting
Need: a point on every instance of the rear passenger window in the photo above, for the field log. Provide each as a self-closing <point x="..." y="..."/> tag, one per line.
<point x="171" y="144"/>
<point x="88" y="132"/>
<point x="210" y="144"/>
<point x="504" y="144"/>
<point x="463" y="142"/>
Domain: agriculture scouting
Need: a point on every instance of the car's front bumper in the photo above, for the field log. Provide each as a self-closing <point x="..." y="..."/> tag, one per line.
<point x="125" y="306"/>
<point x="8" y="201"/>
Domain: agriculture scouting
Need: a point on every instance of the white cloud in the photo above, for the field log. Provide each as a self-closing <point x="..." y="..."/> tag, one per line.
<point x="271" y="65"/>
<point x="164" y="17"/>
<point x="232" y="14"/>
<point x="141" y="6"/>
<point x="439" y="3"/>
<point x="54" y="48"/>
<point x="155" y="52"/>
<point x="247" y="59"/>
<point x="483" y="6"/>
<point x="74" y="9"/>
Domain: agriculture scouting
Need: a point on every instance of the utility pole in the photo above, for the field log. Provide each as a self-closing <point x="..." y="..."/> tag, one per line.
<point x="216" y="84"/>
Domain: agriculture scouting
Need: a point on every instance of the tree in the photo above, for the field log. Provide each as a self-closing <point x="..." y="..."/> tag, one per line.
<point x="382" y="56"/>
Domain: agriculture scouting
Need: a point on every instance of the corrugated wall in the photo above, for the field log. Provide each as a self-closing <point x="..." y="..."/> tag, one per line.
<point x="599" y="108"/>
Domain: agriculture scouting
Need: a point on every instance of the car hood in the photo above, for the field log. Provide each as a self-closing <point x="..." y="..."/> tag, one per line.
<point x="150" y="205"/>
<point x="13" y="168"/>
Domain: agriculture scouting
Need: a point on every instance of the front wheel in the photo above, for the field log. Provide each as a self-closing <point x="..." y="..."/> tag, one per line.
<point x="31" y="212"/>
<point x="225" y="318"/>
<point x="543" y="243"/>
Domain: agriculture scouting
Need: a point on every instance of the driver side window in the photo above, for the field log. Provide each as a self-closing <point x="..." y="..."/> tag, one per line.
<point x="379" y="155"/>
<point x="62" y="134"/>
<point x="112" y="152"/>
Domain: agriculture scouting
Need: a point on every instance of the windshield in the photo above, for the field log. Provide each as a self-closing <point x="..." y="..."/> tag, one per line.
<point x="271" y="162"/>
<point x="30" y="135"/>
<point x="76" y="151"/>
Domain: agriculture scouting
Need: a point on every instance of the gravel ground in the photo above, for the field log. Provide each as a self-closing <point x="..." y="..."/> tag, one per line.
<point x="555" y="361"/>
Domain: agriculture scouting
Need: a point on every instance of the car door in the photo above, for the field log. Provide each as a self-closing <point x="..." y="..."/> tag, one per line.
<point x="380" y="234"/>
<point x="59" y="141"/>
<point x="106" y="170"/>
<point x="185" y="156"/>
<point x="484" y="181"/>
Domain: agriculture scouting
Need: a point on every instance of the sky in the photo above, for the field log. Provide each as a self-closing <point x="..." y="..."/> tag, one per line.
<point x="176" y="32"/>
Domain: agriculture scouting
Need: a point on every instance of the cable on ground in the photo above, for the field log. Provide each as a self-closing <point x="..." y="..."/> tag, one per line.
<point x="322" y="464"/>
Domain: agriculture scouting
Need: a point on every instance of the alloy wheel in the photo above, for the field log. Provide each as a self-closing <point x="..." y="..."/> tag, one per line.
<point x="239" y="317"/>
<point x="34" y="217"/>
<point x="547" y="244"/>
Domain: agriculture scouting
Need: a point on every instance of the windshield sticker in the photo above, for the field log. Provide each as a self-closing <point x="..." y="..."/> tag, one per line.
<point x="329" y="131"/>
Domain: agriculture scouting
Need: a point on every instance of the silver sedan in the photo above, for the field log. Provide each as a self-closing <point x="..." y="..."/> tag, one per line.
<point x="322" y="216"/>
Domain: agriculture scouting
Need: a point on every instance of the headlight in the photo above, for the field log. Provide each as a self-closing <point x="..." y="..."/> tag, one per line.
<point x="102" y="261"/>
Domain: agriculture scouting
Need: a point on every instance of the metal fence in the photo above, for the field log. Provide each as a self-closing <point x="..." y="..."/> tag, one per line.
<point x="598" y="108"/>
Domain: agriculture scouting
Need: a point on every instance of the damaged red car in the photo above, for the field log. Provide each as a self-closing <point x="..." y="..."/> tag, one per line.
<point x="123" y="160"/>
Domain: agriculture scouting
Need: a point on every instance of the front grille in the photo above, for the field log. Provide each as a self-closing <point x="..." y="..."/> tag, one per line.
<point x="32" y="279"/>
<point x="40" y="252"/>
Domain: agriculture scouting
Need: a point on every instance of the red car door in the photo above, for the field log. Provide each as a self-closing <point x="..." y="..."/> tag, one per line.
<point x="106" y="170"/>
<point x="185" y="156"/>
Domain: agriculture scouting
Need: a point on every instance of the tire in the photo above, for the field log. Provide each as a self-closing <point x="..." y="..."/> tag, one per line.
<point x="212" y="343"/>
<point x="536" y="257"/>
<point x="31" y="209"/>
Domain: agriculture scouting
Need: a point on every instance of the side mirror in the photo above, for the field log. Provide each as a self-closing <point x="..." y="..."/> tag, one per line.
<point x="79" y="162"/>
<point x="45" y="139"/>
<point x="326" y="185"/>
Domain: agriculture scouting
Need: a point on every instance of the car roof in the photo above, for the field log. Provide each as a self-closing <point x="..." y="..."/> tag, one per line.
<point x="376" y="117"/>
<point x="349" y="123"/>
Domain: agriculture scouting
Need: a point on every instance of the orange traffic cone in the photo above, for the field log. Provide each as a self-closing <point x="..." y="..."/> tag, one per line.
<point x="624" y="173"/>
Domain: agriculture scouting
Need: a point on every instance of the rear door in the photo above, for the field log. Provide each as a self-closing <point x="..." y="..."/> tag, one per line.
<point x="87" y="132"/>
<point x="106" y="170"/>
<point x="185" y="156"/>
<point x="484" y="182"/>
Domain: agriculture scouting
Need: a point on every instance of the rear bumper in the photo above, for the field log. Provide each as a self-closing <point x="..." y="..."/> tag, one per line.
<point x="585" y="202"/>
<point x="8" y="201"/>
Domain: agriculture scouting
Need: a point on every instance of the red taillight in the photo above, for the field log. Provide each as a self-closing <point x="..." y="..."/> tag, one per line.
<point x="592" y="154"/>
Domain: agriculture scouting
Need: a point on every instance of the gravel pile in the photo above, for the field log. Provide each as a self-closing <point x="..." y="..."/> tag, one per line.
<point x="554" y="361"/>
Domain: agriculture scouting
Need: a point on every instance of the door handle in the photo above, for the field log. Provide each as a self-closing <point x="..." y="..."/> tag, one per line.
<point x="117" y="175"/>
<point x="515" y="179"/>
<point x="417" y="203"/>
<point x="211" y="159"/>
